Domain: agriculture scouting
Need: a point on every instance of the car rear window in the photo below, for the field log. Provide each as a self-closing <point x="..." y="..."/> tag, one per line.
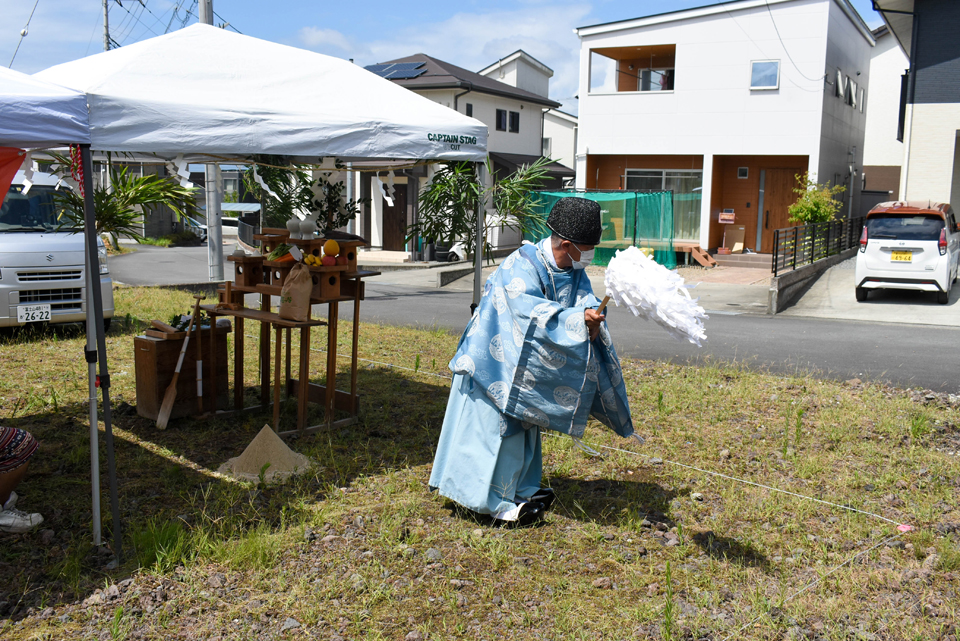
<point x="900" y="227"/>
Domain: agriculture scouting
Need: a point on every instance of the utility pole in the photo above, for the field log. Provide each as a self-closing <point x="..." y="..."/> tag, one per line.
<point x="106" y="25"/>
<point x="214" y="215"/>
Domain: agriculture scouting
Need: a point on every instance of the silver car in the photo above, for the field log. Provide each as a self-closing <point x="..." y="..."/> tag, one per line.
<point x="42" y="273"/>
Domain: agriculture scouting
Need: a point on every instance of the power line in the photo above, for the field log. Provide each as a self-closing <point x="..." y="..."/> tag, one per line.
<point x="785" y="50"/>
<point x="23" y="34"/>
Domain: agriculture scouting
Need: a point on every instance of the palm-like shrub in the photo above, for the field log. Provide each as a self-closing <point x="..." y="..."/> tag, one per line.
<point x="118" y="208"/>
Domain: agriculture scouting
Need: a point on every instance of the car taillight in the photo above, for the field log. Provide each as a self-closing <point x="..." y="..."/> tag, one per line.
<point x="942" y="243"/>
<point x="863" y="239"/>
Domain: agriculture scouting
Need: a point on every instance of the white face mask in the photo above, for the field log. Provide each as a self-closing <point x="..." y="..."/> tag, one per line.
<point x="586" y="257"/>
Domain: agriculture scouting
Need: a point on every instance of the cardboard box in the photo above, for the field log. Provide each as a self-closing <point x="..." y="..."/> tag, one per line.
<point x="733" y="238"/>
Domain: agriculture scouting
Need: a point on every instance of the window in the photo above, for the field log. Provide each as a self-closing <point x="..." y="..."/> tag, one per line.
<point x="547" y="147"/>
<point x="501" y="119"/>
<point x="470" y="109"/>
<point x="743" y="173"/>
<point x="230" y="184"/>
<point x="620" y="69"/>
<point x="765" y="74"/>
<point x="686" y="187"/>
<point x="514" y="122"/>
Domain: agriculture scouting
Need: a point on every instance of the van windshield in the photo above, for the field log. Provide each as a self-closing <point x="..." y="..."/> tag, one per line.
<point x="33" y="211"/>
<point x="900" y="227"/>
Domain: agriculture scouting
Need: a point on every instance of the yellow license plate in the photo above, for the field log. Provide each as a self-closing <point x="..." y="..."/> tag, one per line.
<point x="901" y="257"/>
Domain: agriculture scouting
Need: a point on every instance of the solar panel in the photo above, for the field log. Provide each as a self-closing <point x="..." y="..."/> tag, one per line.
<point x="398" y="70"/>
<point x="404" y="74"/>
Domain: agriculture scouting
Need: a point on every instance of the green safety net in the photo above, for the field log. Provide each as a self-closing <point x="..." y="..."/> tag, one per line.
<point x="641" y="219"/>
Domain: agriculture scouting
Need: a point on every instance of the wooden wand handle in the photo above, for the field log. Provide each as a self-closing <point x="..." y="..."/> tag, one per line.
<point x="603" y="305"/>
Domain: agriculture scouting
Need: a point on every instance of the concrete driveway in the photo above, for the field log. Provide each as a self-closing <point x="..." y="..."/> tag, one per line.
<point x="832" y="296"/>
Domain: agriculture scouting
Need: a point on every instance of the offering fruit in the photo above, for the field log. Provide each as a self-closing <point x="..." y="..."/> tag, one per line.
<point x="341" y="260"/>
<point x="331" y="247"/>
<point x="329" y="260"/>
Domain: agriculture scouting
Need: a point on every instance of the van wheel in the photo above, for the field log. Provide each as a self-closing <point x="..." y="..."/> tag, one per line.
<point x="943" y="297"/>
<point x="861" y="294"/>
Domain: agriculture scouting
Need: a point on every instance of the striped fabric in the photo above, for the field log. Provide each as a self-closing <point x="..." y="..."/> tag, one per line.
<point x="16" y="448"/>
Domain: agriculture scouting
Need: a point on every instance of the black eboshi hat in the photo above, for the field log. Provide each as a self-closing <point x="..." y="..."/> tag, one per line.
<point x="576" y="220"/>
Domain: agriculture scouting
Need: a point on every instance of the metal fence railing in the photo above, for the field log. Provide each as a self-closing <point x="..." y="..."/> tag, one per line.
<point x="798" y="246"/>
<point x="245" y="233"/>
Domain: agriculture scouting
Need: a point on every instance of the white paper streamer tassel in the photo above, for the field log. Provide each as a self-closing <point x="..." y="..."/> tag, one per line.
<point x="653" y="292"/>
<point x="263" y="185"/>
<point x="29" y="166"/>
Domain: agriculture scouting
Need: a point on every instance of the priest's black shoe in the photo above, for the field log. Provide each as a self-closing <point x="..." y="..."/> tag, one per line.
<point x="544" y="495"/>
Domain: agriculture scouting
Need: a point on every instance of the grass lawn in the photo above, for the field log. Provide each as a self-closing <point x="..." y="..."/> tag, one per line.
<point x="642" y="543"/>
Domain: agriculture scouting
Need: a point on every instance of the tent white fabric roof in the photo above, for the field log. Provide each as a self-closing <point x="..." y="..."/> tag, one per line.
<point x="34" y="113"/>
<point x="204" y="90"/>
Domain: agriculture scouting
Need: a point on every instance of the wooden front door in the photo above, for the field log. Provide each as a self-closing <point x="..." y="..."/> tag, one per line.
<point x="395" y="220"/>
<point x="778" y="195"/>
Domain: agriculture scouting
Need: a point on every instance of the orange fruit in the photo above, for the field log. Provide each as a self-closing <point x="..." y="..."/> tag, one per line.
<point x="331" y="248"/>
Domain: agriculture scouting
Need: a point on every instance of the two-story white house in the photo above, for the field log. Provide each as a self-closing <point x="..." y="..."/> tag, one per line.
<point x="725" y="105"/>
<point x="514" y="118"/>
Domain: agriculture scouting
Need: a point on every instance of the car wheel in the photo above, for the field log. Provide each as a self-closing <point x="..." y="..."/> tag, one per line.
<point x="861" y="294"/>
<point x="452" y="258"/>
<point x="943" y="297"/>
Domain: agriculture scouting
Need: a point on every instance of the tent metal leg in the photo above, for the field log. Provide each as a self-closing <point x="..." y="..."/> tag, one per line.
<point x="93" y="290"/>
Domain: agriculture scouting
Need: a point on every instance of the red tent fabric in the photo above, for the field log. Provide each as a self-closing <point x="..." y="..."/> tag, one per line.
<point x="10" y="160"/>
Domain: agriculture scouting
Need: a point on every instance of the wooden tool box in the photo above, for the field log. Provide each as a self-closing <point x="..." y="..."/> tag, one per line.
<point x="156" y="358"/>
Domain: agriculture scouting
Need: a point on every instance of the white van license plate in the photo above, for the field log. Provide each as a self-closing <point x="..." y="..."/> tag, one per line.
<point x="33" y="313"/>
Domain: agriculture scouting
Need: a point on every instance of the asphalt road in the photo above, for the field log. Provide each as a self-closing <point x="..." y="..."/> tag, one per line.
<point x="903" y="353"/>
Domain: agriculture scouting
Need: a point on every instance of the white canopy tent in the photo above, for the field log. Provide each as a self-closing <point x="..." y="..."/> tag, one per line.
<point x="211" y="95"/>
<point x="208" y="91"/>
<point x="34" y="115"/>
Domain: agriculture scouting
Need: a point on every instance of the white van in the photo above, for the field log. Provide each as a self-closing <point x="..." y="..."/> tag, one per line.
<point x="42" y="268"/>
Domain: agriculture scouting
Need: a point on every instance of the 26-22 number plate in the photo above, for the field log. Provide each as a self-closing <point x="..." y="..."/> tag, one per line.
<point x="33" y="313"/>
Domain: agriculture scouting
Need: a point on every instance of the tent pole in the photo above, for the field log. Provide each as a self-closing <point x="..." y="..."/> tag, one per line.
<point x="93" y="271"/>
<point x="90" y="353"/>
<point x="478" y="249"/>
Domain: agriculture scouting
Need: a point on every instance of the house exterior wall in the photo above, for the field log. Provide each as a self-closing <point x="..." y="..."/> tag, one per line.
<point x="880" y="144"/>
<point x="937" y="52"/>
<point x="933" y="117"/>
<point x="932" y="138"/>
<point x="843" y="119"/>
<point x="485" y="106"/>
<point x="562" y="132"/>
<point x="712" y="111"/>
<point x="520" y="73"/>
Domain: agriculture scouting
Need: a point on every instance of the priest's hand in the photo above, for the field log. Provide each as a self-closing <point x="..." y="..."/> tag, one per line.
<point x="593" y="320"/>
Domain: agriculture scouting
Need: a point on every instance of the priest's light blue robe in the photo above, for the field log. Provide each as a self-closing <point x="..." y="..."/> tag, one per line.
<point x="524" y="363"/>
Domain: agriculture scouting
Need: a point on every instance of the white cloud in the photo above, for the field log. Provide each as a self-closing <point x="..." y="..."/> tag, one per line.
<point x="322" y="39"/>
<point x="475" y="40"/>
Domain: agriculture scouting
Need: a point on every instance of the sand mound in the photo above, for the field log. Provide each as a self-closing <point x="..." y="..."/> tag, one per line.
<point x="267" y="447"/>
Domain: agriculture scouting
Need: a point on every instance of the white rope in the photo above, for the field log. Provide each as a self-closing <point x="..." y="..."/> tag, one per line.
<point x="761" y="485"/>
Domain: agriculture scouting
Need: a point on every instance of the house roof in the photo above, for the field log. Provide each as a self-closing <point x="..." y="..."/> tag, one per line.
<point x="526" y="57"/>
<point x="563" y="115"/>
<point x="513" y="162"/>
<point x="898" y="16"/>
<point x="718" y="8"/>
<point x="443" y="75"/>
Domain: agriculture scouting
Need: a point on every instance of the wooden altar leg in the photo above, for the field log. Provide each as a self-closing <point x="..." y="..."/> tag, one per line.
<point x="276" y="382"/>
<point x="265" y="354"/>
<point x="237" y="364"/>
<point x="288" y="362"/>
<point x="332" y="314"/>
<point x="353" y="353"/>
<point x="303" y="391"/>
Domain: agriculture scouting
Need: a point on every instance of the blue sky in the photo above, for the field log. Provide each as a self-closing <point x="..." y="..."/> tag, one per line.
<point x="468" y="33"/>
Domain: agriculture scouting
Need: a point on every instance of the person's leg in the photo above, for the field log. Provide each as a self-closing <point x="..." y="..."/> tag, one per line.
<point x="10" y="480"/>
<point x="531" y="470"/>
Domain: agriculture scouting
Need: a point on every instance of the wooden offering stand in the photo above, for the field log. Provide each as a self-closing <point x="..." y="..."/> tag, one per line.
<point x="332" y="285"/>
